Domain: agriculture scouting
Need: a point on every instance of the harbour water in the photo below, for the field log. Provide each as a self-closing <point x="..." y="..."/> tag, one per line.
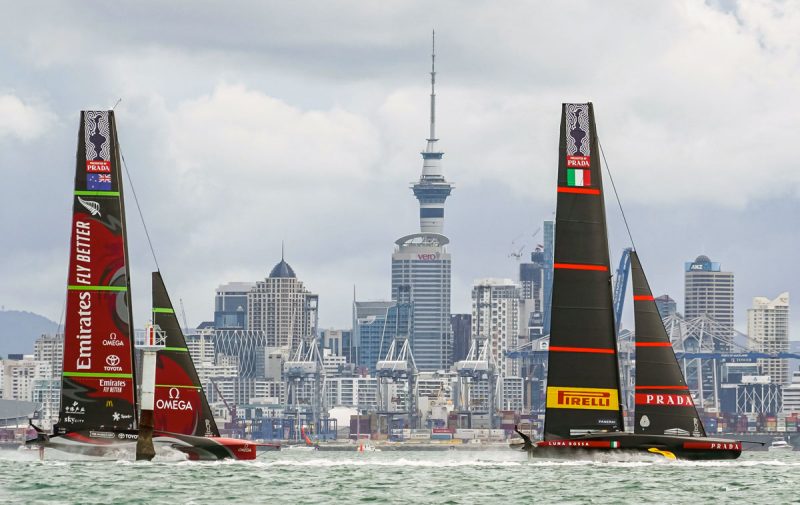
<point x="501" y="476"/>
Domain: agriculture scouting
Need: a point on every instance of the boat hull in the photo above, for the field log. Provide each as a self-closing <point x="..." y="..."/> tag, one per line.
<point x="94" y="443"/>
<point x="122" y="443"/>
<point x="212" y="448"/>
<point x="670" y="447"/>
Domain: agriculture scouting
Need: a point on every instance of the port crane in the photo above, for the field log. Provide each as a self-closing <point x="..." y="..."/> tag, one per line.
<point x="236" y="427"/>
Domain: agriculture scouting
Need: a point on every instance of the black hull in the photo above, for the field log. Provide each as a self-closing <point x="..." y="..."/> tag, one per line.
<point x="122" y="444"/>
<point x="93" y="443"/>
<point x="610" y="444"/>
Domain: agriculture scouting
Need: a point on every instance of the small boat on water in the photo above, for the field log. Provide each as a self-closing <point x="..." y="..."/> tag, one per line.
<point x="780" y="444"/>
<point x="583" y="409"/>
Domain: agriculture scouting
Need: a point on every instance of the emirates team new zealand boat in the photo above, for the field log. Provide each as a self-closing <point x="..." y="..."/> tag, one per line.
<point x="98" y="415"/>
<point x="583" y="409"/>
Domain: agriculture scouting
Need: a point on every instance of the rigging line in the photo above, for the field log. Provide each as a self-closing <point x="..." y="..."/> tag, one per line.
<point x="616" y="195"/>
<point x="60" y="326"/>
<point x="141" y="216"/>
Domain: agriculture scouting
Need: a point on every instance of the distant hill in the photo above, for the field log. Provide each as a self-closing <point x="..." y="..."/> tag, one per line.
<point x="19" y="329"/>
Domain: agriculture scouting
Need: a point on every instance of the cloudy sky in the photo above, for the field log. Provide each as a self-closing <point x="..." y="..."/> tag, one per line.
<point x="247" y="123"/>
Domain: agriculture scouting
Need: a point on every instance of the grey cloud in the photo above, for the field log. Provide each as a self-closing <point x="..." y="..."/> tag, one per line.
<point x="247" y="123"/>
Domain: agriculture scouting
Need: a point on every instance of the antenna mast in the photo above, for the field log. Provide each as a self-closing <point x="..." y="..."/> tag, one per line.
<point x="433" y="86"/>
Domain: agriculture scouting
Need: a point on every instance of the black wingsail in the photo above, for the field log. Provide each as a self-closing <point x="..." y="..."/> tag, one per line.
<point x="98" y="388"/>
<point x="583" y="372"/>
<point x="664" y="404"/>
<point x="180" y="403"/>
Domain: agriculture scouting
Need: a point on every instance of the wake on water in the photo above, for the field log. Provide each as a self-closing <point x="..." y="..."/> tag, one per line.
<point x="170" y="456"/>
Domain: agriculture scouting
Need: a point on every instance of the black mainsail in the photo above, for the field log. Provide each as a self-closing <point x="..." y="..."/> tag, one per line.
<point x="583" y="372"/>
<point x="180" y="403"/>
<point x="98" y="384"/>
<point x="664" y="404"/>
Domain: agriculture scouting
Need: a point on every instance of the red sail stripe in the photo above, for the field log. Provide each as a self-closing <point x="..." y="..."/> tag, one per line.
<point x="580" y="191"/>
<point x="662" y="387"/>
<point x="580" y="266"/>
<point x="581" y="349"/>
<point x="653" y="344"/>
<point x="643" y="298"/>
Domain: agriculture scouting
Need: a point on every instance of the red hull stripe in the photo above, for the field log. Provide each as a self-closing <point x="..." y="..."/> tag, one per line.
<point x="575" y="443"/>
<point x="718" y="446"/>
<point x="580" y="191"/>
<point x="581" y="349"/>
<point x="653" y="344"/>
<point x="580" y="266"/>
<point x="663" y="387"/>
<point x="643" y="298"/>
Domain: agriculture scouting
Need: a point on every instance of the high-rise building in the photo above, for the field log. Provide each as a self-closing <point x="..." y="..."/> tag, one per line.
<point x="421" y="264"/>
<point x="282" y="308"/>
<point x="495" y="316"/>
<point x="709" y="292"/>
<point x="50" y="349"/>
<point x="340" y="343"/>
<point x="666" y="306"/>
<point x="532" y="283"/>
<point x="462" y="331"/>
<point x="549" y="246"/>
<point x="768" y="332"/>
<point x="18" y="376"/>
<point x="791" y="395"/>
<point x="230" y="305"/>
<point x="375" y="325"/>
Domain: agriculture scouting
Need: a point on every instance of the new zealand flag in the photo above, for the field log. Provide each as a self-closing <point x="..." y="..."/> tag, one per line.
<point x="98" y="182"/>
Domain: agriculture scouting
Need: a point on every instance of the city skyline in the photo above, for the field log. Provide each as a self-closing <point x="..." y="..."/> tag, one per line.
<point x="215" y="161"/>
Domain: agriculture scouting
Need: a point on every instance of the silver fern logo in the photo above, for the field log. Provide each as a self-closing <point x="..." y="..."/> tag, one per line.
<point x="92" y="206"/>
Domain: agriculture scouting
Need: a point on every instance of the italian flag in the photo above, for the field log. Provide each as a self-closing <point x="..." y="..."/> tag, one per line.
<point x="614" y="445"/>
<point x="578" y="177"/>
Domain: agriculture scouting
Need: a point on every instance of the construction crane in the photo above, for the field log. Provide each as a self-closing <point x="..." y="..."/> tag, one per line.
<point x="517" y="253"/>
<point x="239" y="430"/>
<point x="183" y="313"/>
<point x="621" y="284"/>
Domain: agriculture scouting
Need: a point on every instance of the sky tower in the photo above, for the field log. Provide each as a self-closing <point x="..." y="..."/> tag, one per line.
<point x="432" y="189"/>
<point x="421" y="263"/>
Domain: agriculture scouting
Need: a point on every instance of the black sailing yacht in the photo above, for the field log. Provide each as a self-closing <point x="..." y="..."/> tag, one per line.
<point x="583" y="409"/>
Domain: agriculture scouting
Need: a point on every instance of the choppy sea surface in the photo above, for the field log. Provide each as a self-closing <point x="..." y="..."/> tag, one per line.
<point x="453" y="477"/>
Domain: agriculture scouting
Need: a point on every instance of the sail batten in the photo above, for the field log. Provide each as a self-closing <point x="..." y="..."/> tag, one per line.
<point x="663" y="402"/>
<point x="583" y="372"/>
<point x="98" y="379"/>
